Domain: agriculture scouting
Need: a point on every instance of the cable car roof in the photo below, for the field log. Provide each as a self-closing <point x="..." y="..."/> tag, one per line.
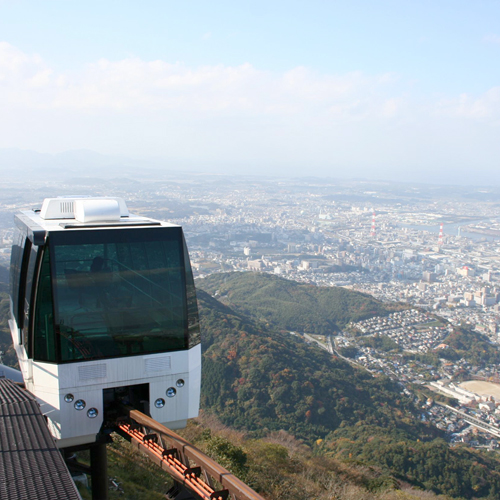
<point x="81" y="212"/>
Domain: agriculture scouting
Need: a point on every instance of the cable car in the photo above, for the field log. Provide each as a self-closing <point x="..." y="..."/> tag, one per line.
<point x="103" y="314"/>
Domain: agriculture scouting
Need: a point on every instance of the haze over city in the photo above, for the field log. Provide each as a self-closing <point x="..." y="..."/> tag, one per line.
<point x="386" y="91"/>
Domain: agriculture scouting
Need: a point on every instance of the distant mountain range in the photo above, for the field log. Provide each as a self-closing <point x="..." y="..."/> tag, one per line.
<point x="43" y="163"/>
<point x="87" y="163"/>
<point x="80" y="163"/>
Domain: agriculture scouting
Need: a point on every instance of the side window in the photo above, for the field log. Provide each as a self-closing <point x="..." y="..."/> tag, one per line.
<point x="15" y="271"/>
<point x="28" y="299"/>
<point x="44" y="348"/>
<point x="23" y="276"/>
<point x="192" y="303"/>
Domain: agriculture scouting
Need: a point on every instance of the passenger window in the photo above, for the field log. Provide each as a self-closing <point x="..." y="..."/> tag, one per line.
<point x="43" y="324"/>
<point x="15" y="271"/>
<point x="122" y="294"/>
<point x="29" y="293"/>
<point x="22" y="286"/>
<point x="192" y="303"/>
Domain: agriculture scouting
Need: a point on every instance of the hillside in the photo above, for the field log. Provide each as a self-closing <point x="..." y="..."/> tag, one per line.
<point x="292" y="306"/>
<point x="4" y="279"/>
<point x="280" y="467"/>
<point x="259" y="379"/>
<point x="262" y="380"/>
<point x="9" y="356"/>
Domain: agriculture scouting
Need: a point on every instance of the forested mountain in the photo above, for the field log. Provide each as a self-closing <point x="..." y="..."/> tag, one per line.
<point x="261" y="379"/>
<point x="289" y="305"/>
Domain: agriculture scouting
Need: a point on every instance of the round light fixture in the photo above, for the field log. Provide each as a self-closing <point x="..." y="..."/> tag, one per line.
<point x="160" y="403"/>
<point x="171" y="392"/>
<point x="80" y="404"/>
<point x="69" y="398"/>
<point x="92" y="413"/>
<point x="180" y="383"/>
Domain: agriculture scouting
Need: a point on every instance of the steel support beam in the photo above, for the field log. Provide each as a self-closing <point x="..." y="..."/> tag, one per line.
<point x="99" y="471"/>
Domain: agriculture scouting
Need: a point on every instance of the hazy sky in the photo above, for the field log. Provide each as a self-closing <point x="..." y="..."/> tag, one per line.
<point x="383" y="89"/>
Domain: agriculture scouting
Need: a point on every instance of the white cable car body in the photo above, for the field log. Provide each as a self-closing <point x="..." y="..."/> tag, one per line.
<point x="103" y="313"/>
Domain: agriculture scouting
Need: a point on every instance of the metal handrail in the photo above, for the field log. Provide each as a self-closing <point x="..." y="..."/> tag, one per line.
<point x="180" y="470"/>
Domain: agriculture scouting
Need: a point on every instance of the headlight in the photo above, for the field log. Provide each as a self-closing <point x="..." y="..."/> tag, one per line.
<point x="80" y="404"/>
<point x="92" y="413"/>
<point x="160" y="403"/>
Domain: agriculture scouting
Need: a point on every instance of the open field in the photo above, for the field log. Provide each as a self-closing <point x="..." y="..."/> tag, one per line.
<point x="482" y="388"/>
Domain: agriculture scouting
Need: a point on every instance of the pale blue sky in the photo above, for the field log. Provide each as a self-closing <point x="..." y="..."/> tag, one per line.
<point x="441" y="44"/>
<point x="331" y="86"/>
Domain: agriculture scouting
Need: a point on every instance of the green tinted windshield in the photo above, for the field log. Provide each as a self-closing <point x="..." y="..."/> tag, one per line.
<point x="119" y="292"/>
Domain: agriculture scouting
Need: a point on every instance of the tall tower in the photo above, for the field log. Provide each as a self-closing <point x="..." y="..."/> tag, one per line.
<point x="440" y="239"/>
<point x="372" y="234"/>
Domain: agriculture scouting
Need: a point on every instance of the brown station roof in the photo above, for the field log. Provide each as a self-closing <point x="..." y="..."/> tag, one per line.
<point x="31" y="467"/>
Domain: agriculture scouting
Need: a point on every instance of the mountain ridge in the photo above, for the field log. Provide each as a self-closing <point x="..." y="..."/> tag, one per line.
<point x="293" y="306"/>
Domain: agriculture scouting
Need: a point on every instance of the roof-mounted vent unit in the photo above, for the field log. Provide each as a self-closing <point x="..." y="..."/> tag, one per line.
<point x="97" y="210"/>
<point x="67" y="207"/>
<point x="84" y="209"/>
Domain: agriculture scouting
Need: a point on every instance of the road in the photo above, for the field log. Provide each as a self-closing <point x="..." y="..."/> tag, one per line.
<point x="474" y="421"/>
